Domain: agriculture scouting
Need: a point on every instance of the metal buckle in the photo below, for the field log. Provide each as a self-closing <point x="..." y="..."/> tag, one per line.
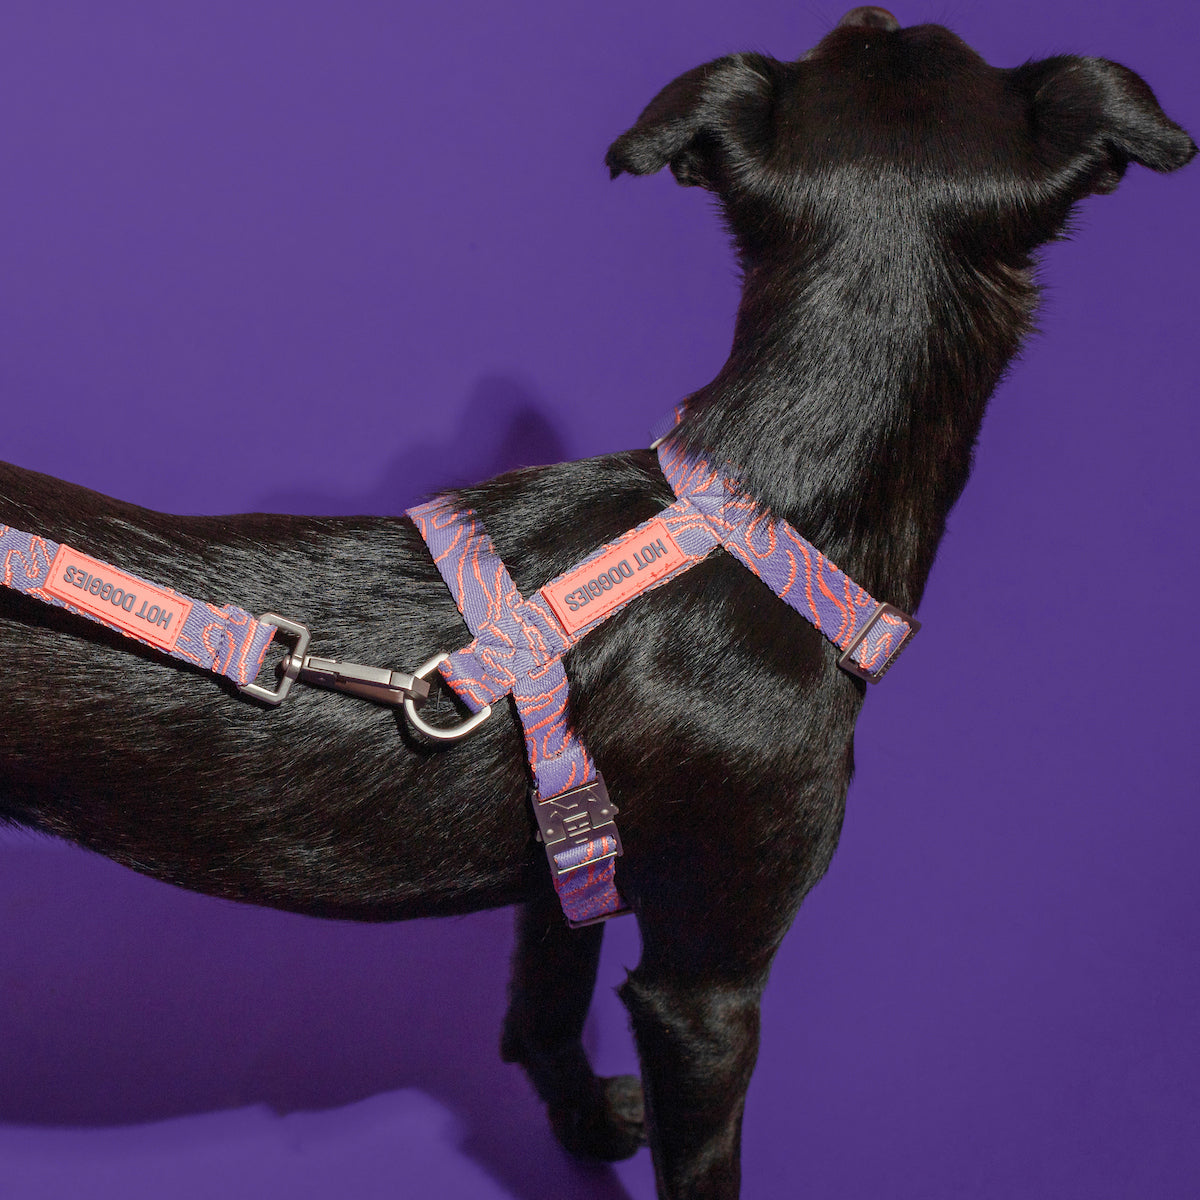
<point x="848" y="665"/>
<point x="441" y="733"/>
<point x="289" y="668"/>
<point x="573" y="819"/>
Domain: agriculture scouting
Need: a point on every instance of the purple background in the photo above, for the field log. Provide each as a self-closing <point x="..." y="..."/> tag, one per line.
<point x="294" y="255"/>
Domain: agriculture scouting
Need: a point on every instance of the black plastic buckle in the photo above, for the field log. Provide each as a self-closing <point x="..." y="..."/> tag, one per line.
<point x="575" y="818"/>
<point x="847" y="663"/>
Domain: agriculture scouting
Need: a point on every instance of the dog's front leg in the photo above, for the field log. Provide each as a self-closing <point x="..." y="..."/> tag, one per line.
<point x="697" y="1040"/>
<point x="554" y="972"/>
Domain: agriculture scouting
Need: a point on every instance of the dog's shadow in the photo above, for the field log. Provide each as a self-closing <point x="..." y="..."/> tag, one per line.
<point x="503" y="427"/>
<point x="125" y="1000"/>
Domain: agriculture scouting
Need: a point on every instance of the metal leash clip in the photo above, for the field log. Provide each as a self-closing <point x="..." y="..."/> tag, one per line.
<point x="355" y="679"/>
<point x="393" y="688"/>
<point x="368" y="683"/>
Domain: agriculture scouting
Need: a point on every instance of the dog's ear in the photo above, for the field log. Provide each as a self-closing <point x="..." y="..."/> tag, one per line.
<point x="712" y="124"/>
<point x="1091" y="118"/>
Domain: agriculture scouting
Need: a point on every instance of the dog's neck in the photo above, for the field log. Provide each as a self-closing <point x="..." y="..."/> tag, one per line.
<point x="855" y="418"/>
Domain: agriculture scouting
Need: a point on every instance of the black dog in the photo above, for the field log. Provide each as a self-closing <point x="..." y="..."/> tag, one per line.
<point x="886" y="193"/>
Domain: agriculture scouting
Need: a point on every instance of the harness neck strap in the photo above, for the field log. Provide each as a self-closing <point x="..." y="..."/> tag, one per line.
<point x="869" y="633"/>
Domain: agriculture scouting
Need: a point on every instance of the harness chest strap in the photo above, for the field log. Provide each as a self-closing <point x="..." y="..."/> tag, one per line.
<point x="518" y="643"/>
<point x="516" y="653"/>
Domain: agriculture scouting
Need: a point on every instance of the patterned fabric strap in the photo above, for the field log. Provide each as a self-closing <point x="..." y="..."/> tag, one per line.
<point x="517" y="649"/>
<point x="226" y="640"/>
<point x="870" y="634"/>
<point x="515" y="635"/>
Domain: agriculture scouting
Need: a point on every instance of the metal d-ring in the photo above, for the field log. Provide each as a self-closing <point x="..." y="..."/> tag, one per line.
<point x="441" y="733"/>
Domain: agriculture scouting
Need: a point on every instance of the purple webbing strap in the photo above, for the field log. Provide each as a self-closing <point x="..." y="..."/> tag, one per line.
<point x="515" y="635"/>
<point x="708" y="513"/>
<point x="226" y="640"/>
<point x="517" y="649"/>
<point x="794" y="569"/>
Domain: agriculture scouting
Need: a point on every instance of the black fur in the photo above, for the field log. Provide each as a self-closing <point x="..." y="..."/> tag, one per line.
<point x="885" y="194"/>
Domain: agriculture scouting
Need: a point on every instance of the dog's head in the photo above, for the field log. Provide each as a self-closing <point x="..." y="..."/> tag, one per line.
<point x="880" y="123"/>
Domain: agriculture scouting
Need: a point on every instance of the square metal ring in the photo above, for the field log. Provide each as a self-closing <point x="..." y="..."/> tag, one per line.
<point x="847" y="663"/>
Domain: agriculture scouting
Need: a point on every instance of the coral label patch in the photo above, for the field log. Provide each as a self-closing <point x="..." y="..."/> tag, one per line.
<point x="135" y="607"/>
<point x="637" y="561"/>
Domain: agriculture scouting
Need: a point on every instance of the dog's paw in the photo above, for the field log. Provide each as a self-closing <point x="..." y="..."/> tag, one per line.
<point x="609" y="1127"/>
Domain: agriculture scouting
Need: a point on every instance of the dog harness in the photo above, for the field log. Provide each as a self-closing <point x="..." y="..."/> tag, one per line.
<point x="517" y="642"/>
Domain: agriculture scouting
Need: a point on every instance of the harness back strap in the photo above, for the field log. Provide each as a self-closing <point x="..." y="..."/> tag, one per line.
<point x="226" y="640"/>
